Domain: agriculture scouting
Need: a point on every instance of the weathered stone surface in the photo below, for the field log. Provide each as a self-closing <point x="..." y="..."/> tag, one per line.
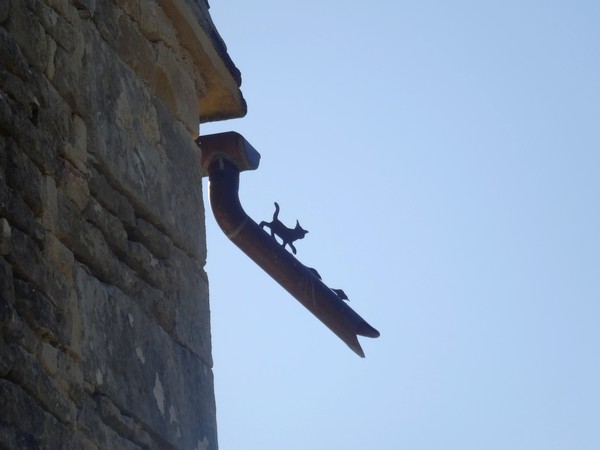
<point x="39" y="430"/>
<point x="26" y="28"/>
<point x="7" y="290"/>
<point x="74" y="185"/>
<point x="111" y="227"/>
<point x="3" y="157"/>
<point x="76" y="150"/>
<point x="38" y="145"/>
<point x="11" y="326"/>
<point x="85" y="240"/>
<point x="192" y="326"/>
<point x="40" y="313"/>
<point x="49" y="201"/>
<point x="25" y="178"/>
<point x="29" y="375"/>
<point x="27" y="259"/>
<point x="152" y="301"/>
<point x="111" y="199"/>
<point x="22" y="101"/>
<point x="13" y="59"/>
<point x="103" y="435"/>
<point x="70" y="82"/>
<point x="140" y="166"/>
<point x="104" y="316"/>
<point x="140" y="259"/>
<point x="14" y="209"/>
<point x="146" y="233"/>
<point x="157" y="399"/>
<point x="4" y="237"/>
<point x="4" y="7"/>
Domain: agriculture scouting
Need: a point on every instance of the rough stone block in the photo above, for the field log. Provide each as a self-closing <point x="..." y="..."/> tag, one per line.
<point x="192" y="321"/>
<point x="4" y="237"/>
<point x="17" y="404"/>
<point x="48" y="356"/>
<point x="61" y="288"/>
<point x="54" y="116"/>
<point x="162" y="401"/>
<point x="156" y="241"/>
<point x="25" y="178"/>
<point x="152" y="22"/>
<point x="111" y="199"/>
<point x="176" y="87"/>
<point x="65" y="9"/>
<point x="153" y="302"/>
<point x="24" y="25"/>
<point x="76" y="150"/>
<point x="111" y="227"/>
<point x="6" y="116"/>
<point x="90" y="422"/>
<point x="140" y="259"/>
<point x="111" y="415"/>
<point x="6" y="282"/>
<point x="149" y="173"/>
<point x="6" y="362"/>
<point x="106" y="17"/>
<point x="11" y="326"/>
<point x="49" y="72"/>
<point x="59" y="256"/>
<point x="3" y="156"/>
<point x="40" y="430"/>
<point x="4" y="7"/>
<point x="135" y="49"/>
<point x="11" y="55"/>
<point x="13" y="208"/>
<point x="40" y="147"/>
<point x="85" y="241"/>
<point x="85" y="7"/>
<point x="70" y="376"/>
<point x="74" y="186"/>
<point x="27" y="259"/>
<point x="40" y="314"/>
<point x="69" y="81"/>
<point x="27" y="372"/>
<point x="20" y="99"/>
<point x="49" y="199"/>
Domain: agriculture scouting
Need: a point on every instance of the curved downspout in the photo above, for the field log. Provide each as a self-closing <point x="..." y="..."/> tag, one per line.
<point x="224" y="155"/>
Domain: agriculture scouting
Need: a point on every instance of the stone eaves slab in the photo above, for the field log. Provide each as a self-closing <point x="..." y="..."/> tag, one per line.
<point x="197" y="33"/>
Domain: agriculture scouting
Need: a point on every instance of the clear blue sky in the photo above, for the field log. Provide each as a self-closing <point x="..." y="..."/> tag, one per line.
<point x="445" y="157"/>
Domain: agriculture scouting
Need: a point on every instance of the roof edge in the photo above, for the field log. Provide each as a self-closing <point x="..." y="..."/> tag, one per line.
<point x="197" y="33"/>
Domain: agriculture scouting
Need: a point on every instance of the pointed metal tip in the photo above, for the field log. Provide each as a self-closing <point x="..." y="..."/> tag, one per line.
<point x="350" y="335"/>
<point x="364" y="329"/>
<point x="356" y="348"/>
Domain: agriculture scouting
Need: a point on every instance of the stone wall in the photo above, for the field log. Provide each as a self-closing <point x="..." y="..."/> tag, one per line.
<point x="104" y="315"/>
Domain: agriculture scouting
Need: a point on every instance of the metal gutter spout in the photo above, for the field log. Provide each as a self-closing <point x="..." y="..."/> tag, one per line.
<point x="224" y="156"/>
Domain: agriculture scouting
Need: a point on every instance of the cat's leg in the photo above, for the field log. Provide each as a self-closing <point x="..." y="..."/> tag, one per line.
<point x="293" y="248"/>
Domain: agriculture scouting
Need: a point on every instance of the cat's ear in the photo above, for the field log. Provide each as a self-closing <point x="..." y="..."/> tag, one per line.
<point x="299" y="227"/>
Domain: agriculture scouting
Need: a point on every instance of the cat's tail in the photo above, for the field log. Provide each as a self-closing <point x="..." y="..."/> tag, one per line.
<point x="276" y="213"/>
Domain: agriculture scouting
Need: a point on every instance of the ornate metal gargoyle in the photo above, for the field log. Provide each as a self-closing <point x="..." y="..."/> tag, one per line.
<point x="224" y="156"/>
